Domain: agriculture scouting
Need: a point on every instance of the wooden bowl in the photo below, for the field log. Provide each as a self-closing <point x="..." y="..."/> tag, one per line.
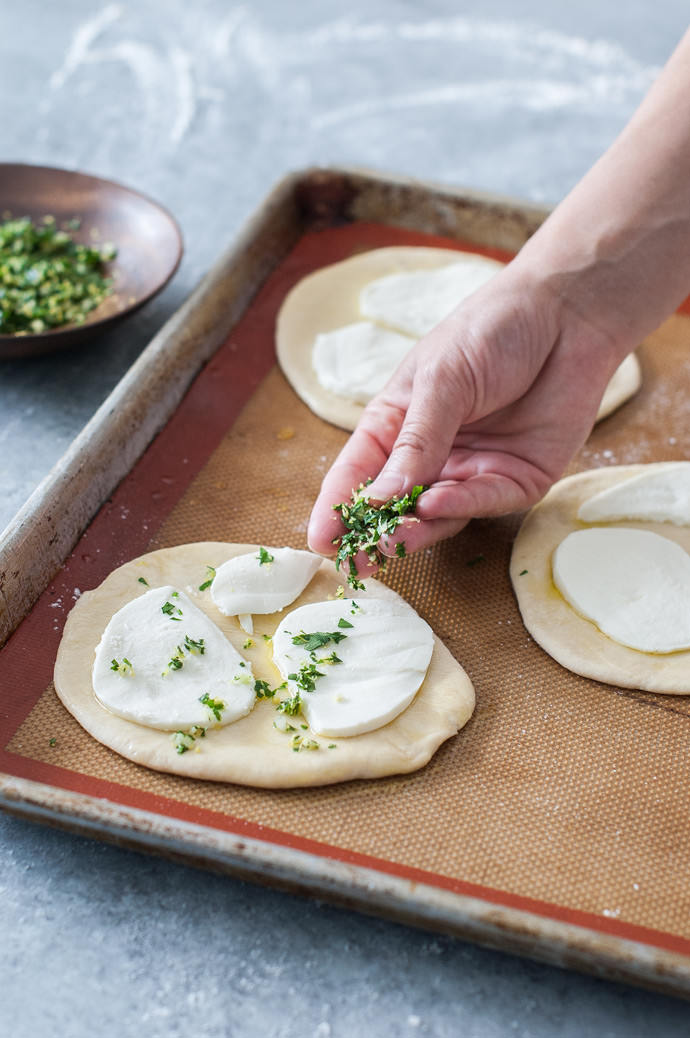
<point x="148" y="242"/>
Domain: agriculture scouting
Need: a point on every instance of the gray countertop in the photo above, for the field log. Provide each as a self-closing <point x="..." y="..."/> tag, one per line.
<point x="204" y="106"/>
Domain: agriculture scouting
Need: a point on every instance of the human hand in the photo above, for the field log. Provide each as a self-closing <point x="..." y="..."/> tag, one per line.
<point x="485" y="411"/>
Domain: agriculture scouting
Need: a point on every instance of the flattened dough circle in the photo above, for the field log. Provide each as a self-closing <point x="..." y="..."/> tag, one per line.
<point x="574" y="642"/>
<point x="250" y="751"/>
<point x="329" y="299"/>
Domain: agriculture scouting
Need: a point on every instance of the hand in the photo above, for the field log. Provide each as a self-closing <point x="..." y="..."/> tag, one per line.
<point x="486" y="411"/>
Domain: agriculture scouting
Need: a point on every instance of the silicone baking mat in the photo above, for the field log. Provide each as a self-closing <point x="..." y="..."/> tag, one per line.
<point x="561" y="796"/>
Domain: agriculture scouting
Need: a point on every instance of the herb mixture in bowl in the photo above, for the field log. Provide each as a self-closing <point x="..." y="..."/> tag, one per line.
<point x="47" y="279"/>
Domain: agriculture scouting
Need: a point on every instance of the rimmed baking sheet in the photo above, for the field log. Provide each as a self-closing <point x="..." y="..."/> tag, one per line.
<point x="554" y="824"/>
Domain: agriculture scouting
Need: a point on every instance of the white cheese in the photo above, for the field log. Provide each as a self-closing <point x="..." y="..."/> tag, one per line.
<point x="415" y="302"/>
<point x="357" y="360"/>
<point x="662" y="495"/>
<point x="143" y="639"/>
<point x="634" y="585"/>
<point x="385" y="656"/>
<point x="245" y="585"/>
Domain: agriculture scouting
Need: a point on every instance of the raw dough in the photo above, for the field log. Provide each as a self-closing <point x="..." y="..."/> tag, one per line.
<point x="573" y="641"/>
<point x="329" y="299"/>
<point x="250" y="751"/>
<point x="625" y="382"/>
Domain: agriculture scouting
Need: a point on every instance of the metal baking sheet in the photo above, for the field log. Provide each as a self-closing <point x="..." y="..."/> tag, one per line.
<point x="554" y="825"/>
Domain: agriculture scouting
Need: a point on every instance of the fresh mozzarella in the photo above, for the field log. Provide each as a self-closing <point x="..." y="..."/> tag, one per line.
<point x="246" y="585"/>
<point x="385" y="655"/>
<point x="415" y="302"/>
<point x="662" y="495"/>
<point x="135" y="674"/>
<point x="634" y="585"/>
<point x="357" y="360"/>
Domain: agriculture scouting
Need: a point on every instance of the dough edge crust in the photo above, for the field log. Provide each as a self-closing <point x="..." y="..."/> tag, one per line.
<point x="250" y="751"/>
<point x="574" y="642"/>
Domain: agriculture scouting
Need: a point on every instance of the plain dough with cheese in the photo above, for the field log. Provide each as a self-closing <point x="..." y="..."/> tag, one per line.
<point x="569" y="638"/>
<point x="329" y="299"/>
<point x="251" y="751"/>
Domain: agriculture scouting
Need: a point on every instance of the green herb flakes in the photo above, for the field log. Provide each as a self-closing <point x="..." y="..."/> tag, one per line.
<point x="52" y="742"/>
<point x="47" y="279"/>
<point x="344" y="623"/>
<point x="248" y="644"/>
<point x="124" y="667"/>
<point x="144" y="581"/>
<point x="317" y="639"/>
<point x="216" y="706"/>
<point x="172" y="611"/>
<point x="264" y="557"/>
<point x="476" y="560"/>
<point x="299" y="742"/>
<point x="210" y="577"/>
<point x="365" y="524"/>
<point x="264" y="691"/>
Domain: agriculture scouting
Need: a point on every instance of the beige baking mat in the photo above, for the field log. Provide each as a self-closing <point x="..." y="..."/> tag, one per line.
<point x="559" y="789"/>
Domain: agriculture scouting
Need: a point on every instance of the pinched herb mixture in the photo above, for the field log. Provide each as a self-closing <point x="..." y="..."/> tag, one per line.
<point x="46" y="278"/>
<point x="365" y="524"/>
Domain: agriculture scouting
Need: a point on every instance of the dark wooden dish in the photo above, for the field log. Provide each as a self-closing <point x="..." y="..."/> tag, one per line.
<point x="148" y="241"/>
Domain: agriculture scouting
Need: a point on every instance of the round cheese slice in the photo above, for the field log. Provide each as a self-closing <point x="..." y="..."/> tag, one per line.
<point x="356" y="361"/>
<point x="633" y="584"/>
<point x="247" y="584"/>
<point x="382" y="650"/>
<point x="414" y="302"/>
<point x="161" y="662"/>
<point x="660" y="494"/>
<point x="567" y="635"/>
<point x="251" y="751"/>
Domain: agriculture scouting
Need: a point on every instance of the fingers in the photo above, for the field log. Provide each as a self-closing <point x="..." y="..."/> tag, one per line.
<point x="441" y="396"/>
<point x="362" y="458"/>
<point x="415" y="535"/>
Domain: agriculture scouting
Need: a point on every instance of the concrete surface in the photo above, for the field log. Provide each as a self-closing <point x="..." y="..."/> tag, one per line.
<point x="204" y="106"/>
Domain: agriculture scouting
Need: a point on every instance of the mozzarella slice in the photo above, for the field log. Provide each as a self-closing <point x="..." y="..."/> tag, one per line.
<point x="660" y="496"/>
<point x="247" y="585"/>
<point x="143" y="638"/>
<point x="385" y="656"/>
<point x="357" y="360"/>
<point x="415" y="302"/>
<point x="634" y="585"/>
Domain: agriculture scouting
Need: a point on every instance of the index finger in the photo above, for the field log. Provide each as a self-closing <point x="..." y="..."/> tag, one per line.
<point x="362" y="458"/>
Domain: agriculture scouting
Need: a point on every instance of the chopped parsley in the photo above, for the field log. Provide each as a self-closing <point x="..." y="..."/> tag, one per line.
<point x="194" y="647"/>
<point x="264" y="557"/>
<point x="400" y="550"/>
<point x="299" y="742"/>
<point x="52" y="742"/>
<point x="291" y="706"/>
<point x="317" y="639"/>
<point x="170" y="610"/>
<point x="267" y="637"/>
<point x="176" y="662"/>
<point x="247" y="644"/>
<point x="365" y="524"/>
<point x="333" y="658"/>
<point x="344" y="623"/>
<point x="124" y="668"/>
<point x="216" y="706"/>
<point x="340" y="591"/>
<point x="182" y="741"/>
<point x="47" y="279"/>
<point x="264" y="691"/>
<point x="306" y="677"/>
<point x="476" y="560"/>
<point x="242" y="679"/>
<point x="210" y="577"/>
<point x="522" y="572"/>
<point x="144" y="581"/>
<point x="332" y="746"/>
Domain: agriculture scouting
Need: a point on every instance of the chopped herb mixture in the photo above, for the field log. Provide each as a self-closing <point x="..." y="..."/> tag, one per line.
<point x="210" y="577"/>
<point x="46" y="278"/>
<point x="365" y="524"/>
<point x="183" y="741"/>
<point x="264" y="557"/>
<point x="216" y="706"/>
<point x="317" y="639"/>
<point x="124" y="667"/>
<point x="144" y="581"/>
<point x="171" y="610"/>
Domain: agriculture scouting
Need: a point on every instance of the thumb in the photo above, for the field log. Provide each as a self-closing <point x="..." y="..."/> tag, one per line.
<point x="438" y="405"/>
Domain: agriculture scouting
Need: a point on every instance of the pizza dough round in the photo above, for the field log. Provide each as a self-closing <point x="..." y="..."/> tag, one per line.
<point x="251" y="751"/>
<point x="573" y="641"/>
<point x="329" y="299"/>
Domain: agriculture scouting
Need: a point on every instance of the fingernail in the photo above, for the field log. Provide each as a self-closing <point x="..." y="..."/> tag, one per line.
<point x="386" y="487"/>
